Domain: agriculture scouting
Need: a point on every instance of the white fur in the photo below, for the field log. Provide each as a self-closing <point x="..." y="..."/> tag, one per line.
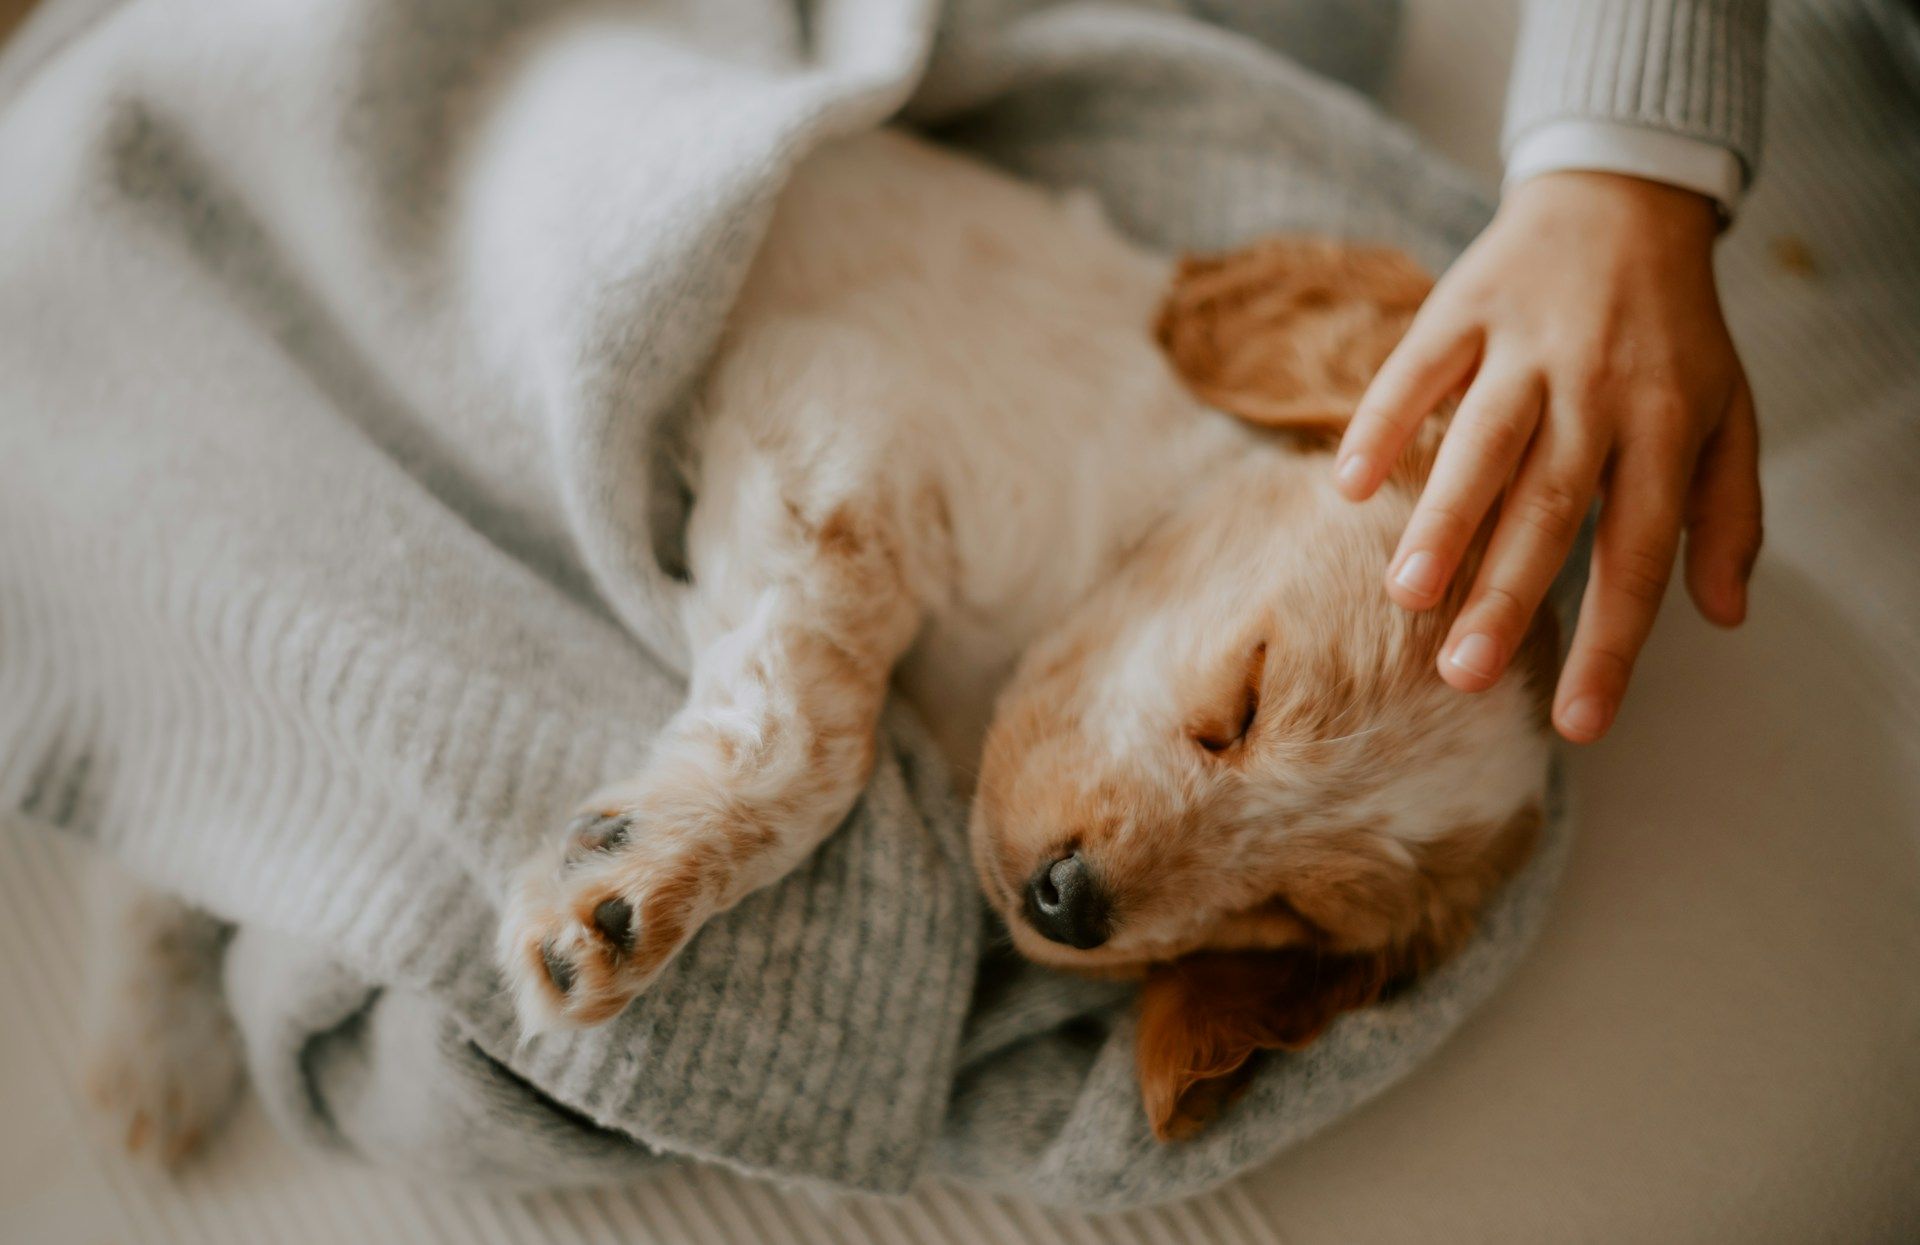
<point x="988" y="345"/>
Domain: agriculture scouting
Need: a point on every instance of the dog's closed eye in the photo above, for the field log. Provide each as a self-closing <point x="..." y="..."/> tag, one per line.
<point x="1225" y="723"/>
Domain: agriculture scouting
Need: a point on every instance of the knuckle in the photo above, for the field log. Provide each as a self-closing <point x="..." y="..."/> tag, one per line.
<point x="1664" y="417"/>
<point x="1494" y="439"/>
<point x="1666" y="400"/>
<point x="1639" y="574"/>
<point x="1396" y="417"/>
<point x="1383" y="412"/>
<point x="1659" y="509"/>
<point x="1444" y="525"/>
<point x="1608" y="663"/>
<point x="1587" y="386"/>
<point x="1505" y="608"/>
<point x="1551" y="510"/>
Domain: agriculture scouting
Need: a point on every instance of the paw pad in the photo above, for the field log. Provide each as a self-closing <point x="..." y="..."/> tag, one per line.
<point x="596" y="915"/>
<point x="599" y="832"/>
<point x="560" y="970"/>
<point x="613" y="918"/>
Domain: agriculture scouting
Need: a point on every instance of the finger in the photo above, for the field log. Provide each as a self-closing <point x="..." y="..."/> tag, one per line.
<point x="1428" y="364"/>
<point x="1495" y="421"/>
<point x="1724" y="516"/>
<point x="1633" y="552"/>
<point x="1538" y="522"/>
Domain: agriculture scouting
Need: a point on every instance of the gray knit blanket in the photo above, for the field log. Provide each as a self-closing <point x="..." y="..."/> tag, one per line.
<point x="343" y="354"/>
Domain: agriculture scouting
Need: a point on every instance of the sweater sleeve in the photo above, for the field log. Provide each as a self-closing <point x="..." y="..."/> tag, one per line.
<point x="1693" y="68"/>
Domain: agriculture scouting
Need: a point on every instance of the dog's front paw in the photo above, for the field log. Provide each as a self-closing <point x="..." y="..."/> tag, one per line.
<point x="584" y="935"/>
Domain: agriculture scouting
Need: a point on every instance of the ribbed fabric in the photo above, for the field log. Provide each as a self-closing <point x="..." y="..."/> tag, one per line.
<point x="342" y="344"/>
<point x="1822" y="284"/>
<point x="1691" y="67"/>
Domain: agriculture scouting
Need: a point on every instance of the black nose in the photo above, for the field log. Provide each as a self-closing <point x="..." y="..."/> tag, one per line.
<point x="1065" y="903"/>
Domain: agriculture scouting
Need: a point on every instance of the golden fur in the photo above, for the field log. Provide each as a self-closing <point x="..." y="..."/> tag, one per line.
<point x="1285" y="333"/>
<point x="941" y="452"/>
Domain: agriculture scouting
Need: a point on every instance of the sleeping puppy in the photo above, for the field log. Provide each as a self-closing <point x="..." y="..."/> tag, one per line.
<point x="939" y="452"/>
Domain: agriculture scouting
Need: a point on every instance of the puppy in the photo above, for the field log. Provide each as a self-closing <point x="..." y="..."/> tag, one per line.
<point x="940" y="452"/>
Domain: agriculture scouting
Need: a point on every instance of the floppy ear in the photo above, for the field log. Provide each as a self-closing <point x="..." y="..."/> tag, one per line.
<point x="1288" y="332"/>
<point x="1204" y="1016"/>
<point x="1372" y="919"/>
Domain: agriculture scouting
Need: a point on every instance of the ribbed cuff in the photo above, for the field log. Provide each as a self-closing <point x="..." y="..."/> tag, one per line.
<point x="1610" y="147"/>
<point x="1694" y="68"/>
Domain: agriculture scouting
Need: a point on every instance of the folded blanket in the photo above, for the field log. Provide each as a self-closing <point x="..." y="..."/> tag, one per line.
<point x="344" y="348"/>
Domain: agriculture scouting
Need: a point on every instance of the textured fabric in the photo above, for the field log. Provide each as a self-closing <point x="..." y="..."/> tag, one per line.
<point x="1690" y="67"/>
<point x="342" y="346"/>
<point x="1740" y="910"/>
<point x="1610" y="147"/>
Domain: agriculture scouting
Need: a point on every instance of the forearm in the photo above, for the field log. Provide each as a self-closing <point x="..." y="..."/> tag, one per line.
<point x="1671" y="90"/>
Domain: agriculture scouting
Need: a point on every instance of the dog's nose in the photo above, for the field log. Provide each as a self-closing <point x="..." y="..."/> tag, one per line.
<point x="1065" y="903"/>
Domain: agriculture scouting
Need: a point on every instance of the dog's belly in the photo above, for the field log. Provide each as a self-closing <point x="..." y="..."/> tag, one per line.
<point x="1009" y="370"/>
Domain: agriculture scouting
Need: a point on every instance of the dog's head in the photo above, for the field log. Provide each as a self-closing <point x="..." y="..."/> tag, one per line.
<point x="1235" y="770"/>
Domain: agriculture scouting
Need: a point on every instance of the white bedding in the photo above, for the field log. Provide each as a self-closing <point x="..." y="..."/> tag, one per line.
<point x="1718" y="1037"/>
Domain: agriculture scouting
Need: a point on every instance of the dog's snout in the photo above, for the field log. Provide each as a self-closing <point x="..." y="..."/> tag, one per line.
<point x="1066" y="904"/>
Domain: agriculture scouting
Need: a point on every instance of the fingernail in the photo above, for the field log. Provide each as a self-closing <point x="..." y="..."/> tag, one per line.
<point x="1352" y="473"/>
<point x="1477" y="655"/>
<point x="1419" y="574"/>
<point x="1586" y="717"/>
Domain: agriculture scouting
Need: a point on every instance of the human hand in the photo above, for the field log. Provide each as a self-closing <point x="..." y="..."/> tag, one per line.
<point x="1584" y="328"/>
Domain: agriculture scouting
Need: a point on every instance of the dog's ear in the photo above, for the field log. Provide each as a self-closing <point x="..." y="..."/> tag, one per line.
<point x="1363" y="920"/>
<point x="1204" y="1016"/>
<point x="1288" y="332"/>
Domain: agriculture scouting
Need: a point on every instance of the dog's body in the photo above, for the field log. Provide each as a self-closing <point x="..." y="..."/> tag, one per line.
<point x="938" y="452"/>
<point x="932" y="347"/>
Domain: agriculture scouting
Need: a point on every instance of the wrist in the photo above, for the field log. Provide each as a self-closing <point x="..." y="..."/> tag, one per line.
<point x="1671" y="215"/>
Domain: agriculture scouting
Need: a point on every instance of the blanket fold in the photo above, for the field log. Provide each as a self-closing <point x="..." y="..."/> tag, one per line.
<point x="344" y="355"/>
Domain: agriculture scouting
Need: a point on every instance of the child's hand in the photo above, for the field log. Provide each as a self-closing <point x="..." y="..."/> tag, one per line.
<point x="1586" y="332"/>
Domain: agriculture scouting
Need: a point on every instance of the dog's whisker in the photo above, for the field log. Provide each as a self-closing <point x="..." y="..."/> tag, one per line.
<point x="1359" y="734"/>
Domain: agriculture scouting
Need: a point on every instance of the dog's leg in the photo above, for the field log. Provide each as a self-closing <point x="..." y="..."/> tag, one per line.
<point x="801" y="611"/>
<point x="163" y="1057"/>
